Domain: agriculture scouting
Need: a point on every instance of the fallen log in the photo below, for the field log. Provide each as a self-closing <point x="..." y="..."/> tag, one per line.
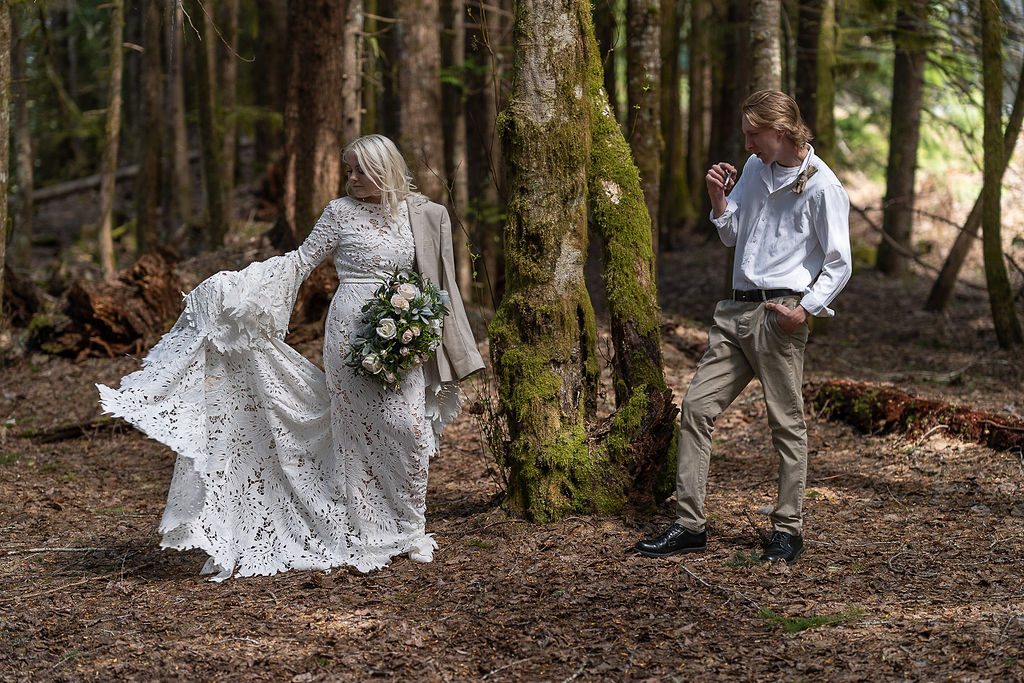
<point x="879" y="410"/>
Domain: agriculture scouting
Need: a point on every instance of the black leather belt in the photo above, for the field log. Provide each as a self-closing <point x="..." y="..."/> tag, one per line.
<point x="761" y="294"/>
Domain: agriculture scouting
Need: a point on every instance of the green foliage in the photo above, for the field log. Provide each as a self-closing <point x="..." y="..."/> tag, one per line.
<point x="753" y="559"/>
<point x="797" y="624"/>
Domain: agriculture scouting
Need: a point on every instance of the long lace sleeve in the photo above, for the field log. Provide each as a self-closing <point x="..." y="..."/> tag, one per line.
<point x="324" y="238"/>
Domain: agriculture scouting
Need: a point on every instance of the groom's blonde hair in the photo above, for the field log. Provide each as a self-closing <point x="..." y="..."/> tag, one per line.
<point x="385" y="167"/>
<point x="777" y="110"/>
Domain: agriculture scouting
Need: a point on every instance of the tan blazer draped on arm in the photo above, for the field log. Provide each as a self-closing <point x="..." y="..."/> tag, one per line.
<point x="458" y="356"/>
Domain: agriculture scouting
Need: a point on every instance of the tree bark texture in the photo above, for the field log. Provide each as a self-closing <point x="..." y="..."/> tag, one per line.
<point x="609" y="30"/>
<point x="204" y="76"/>
<point x="455" y="112"/>
<point x="148" y="182"/>
<point x="543" y="333"/>
<point x="1000" y="295"/>
<point x="227" y="87"/>
<point x="699" y="112"/>
<point x="419" y="86"/>
<point x="942" y="288"/>
<point x="644" y="86"/>
<point x="180" y="174"/>
<point x="635" y="461"/>
<point x="352" y="72"/>
<point x="904" y="132"/>
<point x="268" y="92"/>
<point x="766" y="45"/>
<point x="5" y="136"/>
<point x="673" y="199"/>
<point x="20" y="253"/>
<point x="313" y="115"/>
<point x="112" y="136"/>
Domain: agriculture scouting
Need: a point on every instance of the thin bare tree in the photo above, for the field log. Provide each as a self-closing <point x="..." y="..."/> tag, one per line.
<point x="112" y="136"/>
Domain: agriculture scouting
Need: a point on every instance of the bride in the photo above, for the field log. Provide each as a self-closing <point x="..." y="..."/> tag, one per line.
<point x="281" y="465"/>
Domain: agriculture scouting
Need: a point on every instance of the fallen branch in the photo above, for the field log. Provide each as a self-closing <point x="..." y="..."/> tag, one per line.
<point x="121" y="572"/>
<point x="880" y="410"/>
<point x="29" y="551"/>
<point x="723" y="589"/>
<point x="69" y="431"/>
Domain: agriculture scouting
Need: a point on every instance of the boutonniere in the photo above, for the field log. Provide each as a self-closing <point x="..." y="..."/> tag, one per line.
<point x="801" y="180"/>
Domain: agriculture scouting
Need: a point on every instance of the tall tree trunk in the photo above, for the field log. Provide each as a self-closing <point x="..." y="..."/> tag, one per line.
<point x="180" y="175"/>
<point x="644" y="81"/>
<point x="610" y="32"/>
<point x="112" y="136"/>
<point x="1004" y="315"/>
<point x="942" y="288"/>
<point x="70" y="112"/>
<point x="5" y="130"/>
<point x="698" y="112"/>
<point x="20" y="254"/>
<point x="352" y="76"/>
<point x="824" y="115"/>
<point x="808" y="37"/>
<point x="313" y="116"/>
<point x="488" y="190"/>
<point x="636" y="460"/>
<point x="673" y="199"/>
<point x="543" y="333"/>
<point x="268" y="91"/>
<point x="459" y="166"/>
<point x="373" y="73"/>
<point x="227" y="87"/>
<point x="907" y="94"/>
<point x="766" y="45"/>
<point x="419" y="85"/>
<point x="147" y="182"/>
<point x="204" y="75"/>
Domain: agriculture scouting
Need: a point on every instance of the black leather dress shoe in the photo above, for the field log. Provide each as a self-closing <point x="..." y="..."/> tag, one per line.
<point x="783" y="546"/>
<point x="675" y="540"/>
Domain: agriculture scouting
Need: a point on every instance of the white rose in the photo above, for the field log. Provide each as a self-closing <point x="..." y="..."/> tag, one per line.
<point x="408" y="291"/>
<point x="372" y="363"/>
<point x="386" y="328"/>
<point x="415" y="330"/>
<point x="399" y="303"/>
<point x="435" y="326"/>
<point x="404" y="351"/>
<point x="408" y="336"/>
<point x="389" y="376"/>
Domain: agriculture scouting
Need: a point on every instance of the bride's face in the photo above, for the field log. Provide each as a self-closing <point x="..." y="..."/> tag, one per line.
<point x="359" y="185"/>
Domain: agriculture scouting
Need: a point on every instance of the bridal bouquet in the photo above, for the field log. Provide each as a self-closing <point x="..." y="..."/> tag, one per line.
<point x="402" y="328"/>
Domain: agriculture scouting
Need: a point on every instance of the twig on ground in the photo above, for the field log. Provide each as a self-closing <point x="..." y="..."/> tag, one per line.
<point x="723" y="589"/>
<point x="931" y="431"/>
<point x="520" y="661"/>
<point x="762" y="535"/>
<point x="19" y="598"/>
<point x="30" y="551"/>
<point x="577" y="674"/>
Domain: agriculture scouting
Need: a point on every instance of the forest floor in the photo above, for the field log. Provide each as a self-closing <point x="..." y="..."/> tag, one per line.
<point x="913" y="569"/>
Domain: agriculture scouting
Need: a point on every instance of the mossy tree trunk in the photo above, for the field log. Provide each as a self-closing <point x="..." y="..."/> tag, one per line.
<point x="563" y="149"/>
<point x="543" y="333"/>
<point x="637" y="451"/>
<point x="643" y="80"/>
<point x="1004" y="315"/>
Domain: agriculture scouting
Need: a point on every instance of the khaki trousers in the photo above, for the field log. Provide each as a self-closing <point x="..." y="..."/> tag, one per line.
<point x="746" y="342"/>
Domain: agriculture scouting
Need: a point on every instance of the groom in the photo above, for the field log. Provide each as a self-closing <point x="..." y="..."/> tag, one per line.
<point x="788" y="218"/>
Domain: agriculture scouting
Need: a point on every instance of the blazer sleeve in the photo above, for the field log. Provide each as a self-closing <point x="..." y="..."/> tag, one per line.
<point x="458" y="342"/>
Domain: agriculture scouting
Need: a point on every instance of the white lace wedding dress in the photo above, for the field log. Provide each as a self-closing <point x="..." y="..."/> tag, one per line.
<point x="280" y="466"/>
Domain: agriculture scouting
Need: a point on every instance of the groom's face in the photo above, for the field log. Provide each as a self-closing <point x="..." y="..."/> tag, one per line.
<point x="765" y="143"/>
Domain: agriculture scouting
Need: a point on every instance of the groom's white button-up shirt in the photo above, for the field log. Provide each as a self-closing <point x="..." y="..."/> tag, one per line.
<point x="790" y="237"/>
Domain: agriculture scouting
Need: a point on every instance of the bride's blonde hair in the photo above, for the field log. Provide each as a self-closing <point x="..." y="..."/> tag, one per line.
<point x="384" y="165"/>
